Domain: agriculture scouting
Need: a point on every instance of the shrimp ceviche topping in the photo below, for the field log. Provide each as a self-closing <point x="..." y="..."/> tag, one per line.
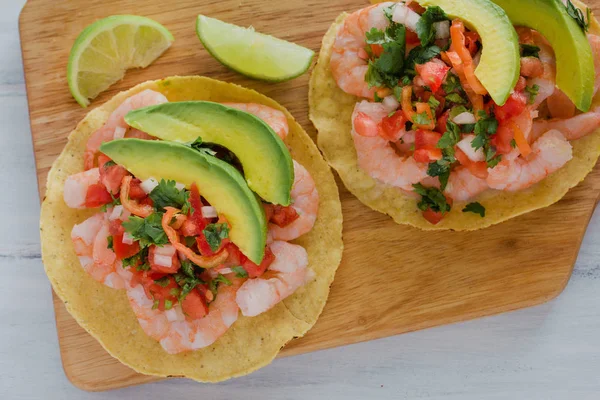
<point x="190" y="255"/>
<point x="426" y="124"/>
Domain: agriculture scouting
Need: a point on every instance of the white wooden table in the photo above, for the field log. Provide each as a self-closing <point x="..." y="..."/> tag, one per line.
<point x="546" y="352"/>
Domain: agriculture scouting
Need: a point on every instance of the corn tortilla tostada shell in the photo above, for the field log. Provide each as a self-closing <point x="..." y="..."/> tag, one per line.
<point x="105" y="313"/>
<point x="331" y="110"/>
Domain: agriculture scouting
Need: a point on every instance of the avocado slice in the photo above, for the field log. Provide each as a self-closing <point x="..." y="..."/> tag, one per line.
<point x="498" y="70"/>
<point x="574" y="59"/>
<point x="219" y="183"/>
<point x="264" y="157"/>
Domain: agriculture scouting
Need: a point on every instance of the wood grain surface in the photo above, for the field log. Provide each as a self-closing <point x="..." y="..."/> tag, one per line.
<point x="392" y="279"/>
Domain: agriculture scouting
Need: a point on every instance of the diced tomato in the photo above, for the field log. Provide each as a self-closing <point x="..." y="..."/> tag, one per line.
<point x="174" y="267"/>
<point x="425" y="146"/>
<point x="442" y="121"/>
<point x="416" y="7"/>
<point x="471" y="39"/>
<point x="158" y="292"/>
<point x="135" y="190"/>
<point x="412" y="38"/>
<point x="194" y="305"/>
<point x="377" y="49"/>
<point x="205" y="248"/>
<point x="502" y="139"/>
<point x="253" y="270"/>
<point x="393" y="127"/>
<point x="280" y="215"/>
<point x="112" y="175"/>
<point x="122" y="250"/>
<point x="433" y="73"/>
<point x="195" y="224"/>
<point x="434" y="217"/>
<point x="514" y="106"/>
<point x="146" y="201"/>
<point x="97" y="196"/>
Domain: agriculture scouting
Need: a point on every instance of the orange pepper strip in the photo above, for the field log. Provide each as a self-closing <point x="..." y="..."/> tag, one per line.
<point x="458" y="45"/>
<point x="201" y="261"/>
<point x="141" y="210"/>
<point x="522" y="144"/>
<point x="457" y="63"/>
<point x="426" y="108"/>
<point x="407" y="102"/>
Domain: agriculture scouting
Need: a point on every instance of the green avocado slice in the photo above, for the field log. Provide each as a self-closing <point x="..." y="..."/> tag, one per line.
<point x="219" y="183"/>
<point x="575" y="73"/>
<point x="498" y="70"/>
<point x="266" y="161"/>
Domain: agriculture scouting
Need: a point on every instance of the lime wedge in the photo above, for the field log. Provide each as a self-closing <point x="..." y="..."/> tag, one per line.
<point x="104" y="50"/>
<point x="253" y="54"/>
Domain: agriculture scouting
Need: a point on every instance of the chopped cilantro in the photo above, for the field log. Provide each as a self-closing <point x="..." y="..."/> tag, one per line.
<point x="421" y="119"/>
<point x="441" y="171"/>
<point x="398" y="93"/>
<point x="457" y="110"/>
<point x="431" y="198"/>
<point x="530" y="50"/>
<point x="476" y="208"/>
<point x="115" y="201"/>
<point x="425" y="29"/>
<point x="451" y="137"/>
<point x="452" y="83"/>
<point x="186" y="279"/>
<point x="513" y="143"/>
<point x="110" y="244"/>
<point x="578" y="16"/>
<point x="386" y="69"/>
<point x="532" y="92"/>
<point x="138" y="260"/>
<point x="155" y="304"/>
<point x="433" y="102"/>
<point x="166" y="194"/>
<point x="175" y="292"/>
<point x="215" y="233"/>
<point x="491" y="158"/>
<point x="240" y="272"/>
<point x="168" y="304"/>
<point x="441" y="168"/>
<point x="163" y="282"/>
<point x="455" y="98"/>
<point x="467" y="128"/>
<point x="147" y="230"/>
<point x="197" y="145"/>
<point x="213" y="285"/>
<point x="190" y="241"/>
<point x="486" y="126"/>
<point x="420" y="55"/>
<point x="377" y="98"/>
<point x="109" y="163"/>
<point x="405" y="81"/>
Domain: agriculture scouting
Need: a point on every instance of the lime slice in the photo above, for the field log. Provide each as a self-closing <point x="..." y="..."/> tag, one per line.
<point x="104" y="50"/>
<point x="253" y="54"/>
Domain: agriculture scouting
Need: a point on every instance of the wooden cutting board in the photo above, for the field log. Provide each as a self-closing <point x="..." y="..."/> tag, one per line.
<point x="392" y="279"/>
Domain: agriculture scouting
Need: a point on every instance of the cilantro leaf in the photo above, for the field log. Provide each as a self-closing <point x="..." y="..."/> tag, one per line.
<point x="187" y="279"/>
<point x="455" y="98"/>
<point x="240" y="272"/>
<point x="213" y="285"/>
<point x="166" y="194"/>
<point x="530" y="50"/>
<point x="578" y="16"/>
<point x="147" y="230"/>
<point x="163" y="282"/>
<point x="431" y="198"/>
<point x="491" y="158"/>
<point x="451" y="137"/>
<point x="486" y="126"/>
<point x="452" y="83"/>
<point x="420" y="55"/>
<point x="375" y="36"/>
<point x="457" y="110"/>
<point x="476" y="208"/>
<point x="115" y="201"/>
<point x="215" y="233"/>
<point x="532" y="92"/>
<point x="138" y="260"/>
<point x="110" y="244"/>
<point x="441" y="171"/>
<point x="433" y="103"/>
<point x="425" y="29"/>
<point x="421" y="119"/>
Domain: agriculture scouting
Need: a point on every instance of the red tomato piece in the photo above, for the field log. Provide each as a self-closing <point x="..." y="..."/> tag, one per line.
<point x="173" y="268"/>
<point x="194" y="225"/>
<point x="254" y="270"/>
<point x="425" y="139"/>
<point x="393" y="127"/>
<point x="135" y="190"/>
<point x="521" y="84"/>
<point x="434" y="217"/>
<point x="97" y="196"/>
<point x="160" y="293"/>
<point x="194" y="305"/>
<point x="442" y="121"/>
<point x="123" y="250"/>
<point x="280" y="215"/>
<point x="412" y="38"/>
<point x="471" y="39"/>
<point x="377" y="49"/>
<point x="514" y="106"/>
<point x="502" y="139"/>
<point x="433" y="73"/>
<point x="111" y="176"/>
<point x="477" y="168"/>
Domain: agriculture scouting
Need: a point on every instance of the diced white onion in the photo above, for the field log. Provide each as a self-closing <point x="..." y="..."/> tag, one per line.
<point x="409" y="137"/>
<point x="167" y="250"/>
<point x="225" y="271"/>
<point x="470" y="152"/>
<point x="464" y="118"/>
<point x="442" y="29"/>
<point x="127" y="238"/>
<point x="406" y="16"/>
<point x="179" y="186"/>
<point x="171" y="315"/>
<point x="119" y="132"/>
<point x="209" y="212"/>
<point x="116" y="212"/>
<point x="391" y="103"/>
<point x="148" y="185"/>
<point x="163" y="261"/>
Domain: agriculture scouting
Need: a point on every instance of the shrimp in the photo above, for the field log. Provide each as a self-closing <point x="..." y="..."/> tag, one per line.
<point x="546" y="83"/>
<point x="90" y="240"/>
<point x="571" y="128"/>
<point x="377" y="157"/>
<point x="349" y="61"/>
<point x="174" y="331"/>
<point x="595" y="45"/>
<point x="116" y="127"/>
<point x="305" y="200"/>
<point x="285" y="275"/>
<point x="560" y="105"/>
<point x="548" y="154"/>
<point x="272" y="117"/>
<point x="76" y="187"/>
<point x="463" y="185"/>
